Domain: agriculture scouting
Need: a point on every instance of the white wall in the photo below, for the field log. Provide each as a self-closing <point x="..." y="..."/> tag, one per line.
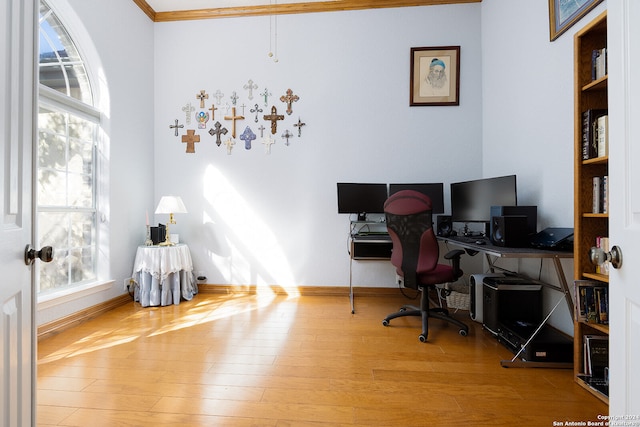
<point x="272" y="219"/>
<point x="116" y="38"/>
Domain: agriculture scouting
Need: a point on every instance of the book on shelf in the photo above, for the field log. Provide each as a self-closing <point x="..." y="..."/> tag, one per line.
<point x="600" y="202"/>
<point x="598" y="63"/>
<point x="596" y="355"/>
<point x="589" y="141"/>
<point x="592" y="301"/>
<point x="599" y="384"/>
<point x="602" y="135"/>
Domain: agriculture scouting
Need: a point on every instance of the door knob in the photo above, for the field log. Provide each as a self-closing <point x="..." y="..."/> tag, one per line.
<point x="599" y="256"/>
<point x="45" y="254"/>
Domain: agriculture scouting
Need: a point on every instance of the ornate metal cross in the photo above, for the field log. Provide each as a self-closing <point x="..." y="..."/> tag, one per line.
<point x="266" y="95"/>
<point x="218" y="96"/>
<point x="268" y="141"/>
<point x="286" y="135"/>
<point x="176" y="127"/>
<point x="202" y="96"/>
<point x="190" y="138"/>
<point x="299" y="126"/>
<point x="233" y="117"/>
<point x="234" y="97"/>
<point x="288" y="98"/>
<point x="273" y="118"/>
<point x="219" y="131"/>
<point x="247" y="136"/>
<point x="188" y="109"/>
<point x="256" y="110"/>
<point x="250" y="86"/>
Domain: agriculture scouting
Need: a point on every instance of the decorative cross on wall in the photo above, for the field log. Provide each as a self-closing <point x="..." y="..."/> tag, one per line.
<point x="233" y="117"/>
<point x="266" y="95"/>
<point x="190" y="138"/>
<point x="299" y="126"/>
<point x="234" y="97"/>
<point x="219" y="131"/>
<point x="188" y="109"/>
<point x="256" y="110"/>
<point x="288" y="99"/>
<point x="261" y="129"/>
<point x="202" y="96"/>
<point x="250" y="86"/>
<point x="268" y="141"/>
<point x="218" y="96"/>
<point x="229" y="143"/>
<point x="286" y="135"/>
<point x="247" y="136"/>
<point x="213" y="111"/>
<point x="176" y="127"/>
<point x="273" y="118"/>
<point x="202" y="117"/>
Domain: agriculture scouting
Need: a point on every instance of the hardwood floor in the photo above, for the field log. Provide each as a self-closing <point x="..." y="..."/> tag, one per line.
<point x="255" y="360"/>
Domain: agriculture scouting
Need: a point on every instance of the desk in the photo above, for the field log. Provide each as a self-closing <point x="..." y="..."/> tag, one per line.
<point x="164" y="275"/>
<point x="493" y="253"/>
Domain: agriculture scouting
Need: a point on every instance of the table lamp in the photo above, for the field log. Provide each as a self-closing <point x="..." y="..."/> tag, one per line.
<point x="170" y="205"/>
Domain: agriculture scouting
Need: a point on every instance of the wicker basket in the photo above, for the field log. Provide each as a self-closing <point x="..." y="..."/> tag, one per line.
<point x="458" y="297"/>
<point x="458" y="301"/>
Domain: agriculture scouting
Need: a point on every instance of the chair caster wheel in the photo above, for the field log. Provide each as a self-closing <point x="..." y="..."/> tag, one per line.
<point x="385" y="322"/>
<point x="463" y="332"/>
<point x="423" y="338"/>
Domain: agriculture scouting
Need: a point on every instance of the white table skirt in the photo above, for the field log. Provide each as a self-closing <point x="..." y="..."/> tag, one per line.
<point x="163" y="275"/>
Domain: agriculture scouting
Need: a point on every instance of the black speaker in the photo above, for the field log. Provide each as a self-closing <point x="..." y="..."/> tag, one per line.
<point x="158" y="234"/>
<point x="444" y="226"/>
<point x="509" y="231"/>
<point x="531" y="212"/>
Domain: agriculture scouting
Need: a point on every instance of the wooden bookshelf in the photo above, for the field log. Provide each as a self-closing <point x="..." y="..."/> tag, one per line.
<point x="590" y="93"/>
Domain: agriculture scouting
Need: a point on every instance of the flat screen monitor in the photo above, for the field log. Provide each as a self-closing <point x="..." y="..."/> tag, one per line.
<point x="471" y="201"/>
<point x="435" y="191"/>
<point x="361" y="198"/>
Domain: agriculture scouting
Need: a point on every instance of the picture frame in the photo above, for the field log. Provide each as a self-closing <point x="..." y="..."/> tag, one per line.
<point x="435" y="76"/>
<point x="563" y="14"/>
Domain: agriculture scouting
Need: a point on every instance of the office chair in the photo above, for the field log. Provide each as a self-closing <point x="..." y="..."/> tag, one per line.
<point x="415" y="255"/>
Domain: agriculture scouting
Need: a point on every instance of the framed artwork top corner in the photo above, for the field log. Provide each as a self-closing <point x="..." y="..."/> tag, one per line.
<point x="435" y="76"/>
<point x="563" y="14"/>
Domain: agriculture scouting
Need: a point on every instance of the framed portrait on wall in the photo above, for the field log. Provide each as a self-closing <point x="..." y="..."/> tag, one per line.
<point x="564" y="13"/>
<point x="435" y="76"/>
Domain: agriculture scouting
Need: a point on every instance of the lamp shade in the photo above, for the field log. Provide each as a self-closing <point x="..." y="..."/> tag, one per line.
<point x="170" y="204"/>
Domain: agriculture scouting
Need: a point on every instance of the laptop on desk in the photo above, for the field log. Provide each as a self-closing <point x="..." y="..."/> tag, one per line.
<point x="556" y="238"/>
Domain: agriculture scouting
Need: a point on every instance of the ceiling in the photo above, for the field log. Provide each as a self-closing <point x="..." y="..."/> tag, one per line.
<point x="180" y="10"/>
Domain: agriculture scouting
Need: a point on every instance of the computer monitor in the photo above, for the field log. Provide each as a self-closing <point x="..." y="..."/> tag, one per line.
<point x="471" y="201"/>
<point x="361" y="198"/>
<point x="435" y="191"/>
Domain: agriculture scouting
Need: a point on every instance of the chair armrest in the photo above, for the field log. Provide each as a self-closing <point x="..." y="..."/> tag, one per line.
<point x="454" y="256"/>
<point x="456" y="253"/>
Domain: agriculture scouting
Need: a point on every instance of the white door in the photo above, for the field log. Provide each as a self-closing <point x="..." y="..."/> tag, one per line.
<point x="624" y="220"/>
<point x="17" y="94"/>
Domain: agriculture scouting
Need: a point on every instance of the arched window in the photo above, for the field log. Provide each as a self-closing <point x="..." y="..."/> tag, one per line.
<point x="68" y="129"/>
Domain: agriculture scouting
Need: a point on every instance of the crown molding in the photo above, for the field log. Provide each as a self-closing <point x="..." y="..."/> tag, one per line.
<point x="286" y="8"/>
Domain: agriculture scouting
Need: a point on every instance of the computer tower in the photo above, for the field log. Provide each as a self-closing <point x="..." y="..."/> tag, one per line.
<point x="476" y="286"/>
<point x="508" y="299"/>
<point x="531" y="212"/>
